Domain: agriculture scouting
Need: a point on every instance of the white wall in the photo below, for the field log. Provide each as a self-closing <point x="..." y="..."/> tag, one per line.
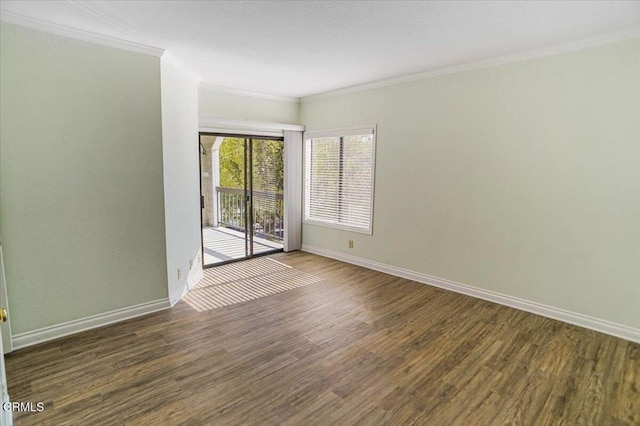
<point x="81" y="186"/>
<point x="235" y="106"/>
<point x="181" y="181"/>
<point x="523" y="179"/>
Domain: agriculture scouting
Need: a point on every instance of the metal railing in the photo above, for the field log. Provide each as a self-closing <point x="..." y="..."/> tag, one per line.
<point x="268" y="208"/>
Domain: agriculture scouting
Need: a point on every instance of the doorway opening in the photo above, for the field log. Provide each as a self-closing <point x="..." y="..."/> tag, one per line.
<point x="242" y="196"/>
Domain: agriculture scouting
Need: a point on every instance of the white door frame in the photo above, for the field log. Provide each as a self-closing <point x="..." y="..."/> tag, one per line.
<point x="7" y="342"/>
<point x="6" y="416"/>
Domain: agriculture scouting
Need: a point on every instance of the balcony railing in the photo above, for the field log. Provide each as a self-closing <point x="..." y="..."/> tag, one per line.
<point x="268" y="210"/>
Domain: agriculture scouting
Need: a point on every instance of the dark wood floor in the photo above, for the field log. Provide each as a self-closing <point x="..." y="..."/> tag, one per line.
<point x="358" y="347"/>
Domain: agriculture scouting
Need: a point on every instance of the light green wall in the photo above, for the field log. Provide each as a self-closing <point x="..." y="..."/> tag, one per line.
<point x="522" y="179"/>
<point x="81" y="184"/>
<point x="213" y="103"/>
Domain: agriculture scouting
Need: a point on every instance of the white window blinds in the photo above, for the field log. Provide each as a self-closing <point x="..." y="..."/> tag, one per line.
<point x="339" y="176"/>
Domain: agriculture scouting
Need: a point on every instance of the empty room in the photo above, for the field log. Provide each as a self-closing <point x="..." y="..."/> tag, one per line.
<point x="320" y="212"/>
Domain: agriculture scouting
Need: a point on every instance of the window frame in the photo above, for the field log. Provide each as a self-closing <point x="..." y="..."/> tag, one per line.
<point x="340" y="133"/>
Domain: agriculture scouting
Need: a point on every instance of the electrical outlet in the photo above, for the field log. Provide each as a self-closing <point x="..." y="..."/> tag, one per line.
<point x="179" y="273"/>
<point x="350" y="243"/>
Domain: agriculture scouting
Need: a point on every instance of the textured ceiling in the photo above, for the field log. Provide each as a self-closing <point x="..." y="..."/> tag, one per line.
<point x="301" y="48"/>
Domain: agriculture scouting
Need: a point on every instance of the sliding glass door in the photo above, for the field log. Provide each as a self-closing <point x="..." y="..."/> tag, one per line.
<point x="242" y="183"/>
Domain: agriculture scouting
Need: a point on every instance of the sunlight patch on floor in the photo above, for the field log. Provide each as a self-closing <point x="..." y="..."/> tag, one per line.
<point x="243" y="281"/>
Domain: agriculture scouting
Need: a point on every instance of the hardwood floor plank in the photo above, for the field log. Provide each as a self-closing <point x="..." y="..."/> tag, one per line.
<point x="355" y="347"/>
<point x="624" y="408"/>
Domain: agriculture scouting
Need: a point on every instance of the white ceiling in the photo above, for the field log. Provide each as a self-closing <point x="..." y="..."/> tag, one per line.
<point x="302" y="48"/>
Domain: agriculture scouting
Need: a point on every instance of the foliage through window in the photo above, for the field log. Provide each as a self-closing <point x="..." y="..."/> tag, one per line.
<point x="339" y="176"/>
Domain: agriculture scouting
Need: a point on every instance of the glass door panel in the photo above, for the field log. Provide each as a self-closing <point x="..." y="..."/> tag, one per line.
<point x="268" y="195"/>
<point x="222" y="166"/>
<point x="242" y="182"/>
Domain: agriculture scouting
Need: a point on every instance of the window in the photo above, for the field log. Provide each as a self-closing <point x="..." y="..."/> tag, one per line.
<point x="339" y="176"/>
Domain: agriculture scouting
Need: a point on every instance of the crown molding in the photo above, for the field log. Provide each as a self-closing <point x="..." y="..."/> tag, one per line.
<point x="171" y="59"/>
<point x="486" y="63"/>
<point x="239" y="92"/>
<point x="49" y="27"/>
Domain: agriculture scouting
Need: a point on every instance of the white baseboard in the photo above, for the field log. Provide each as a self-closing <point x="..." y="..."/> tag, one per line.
<point x="178" y="294"/>
<point x="596" y="324"/>
<point x="195" y="278"/>
<point x="192" y="280"/>
<point x="30" y="338"/>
